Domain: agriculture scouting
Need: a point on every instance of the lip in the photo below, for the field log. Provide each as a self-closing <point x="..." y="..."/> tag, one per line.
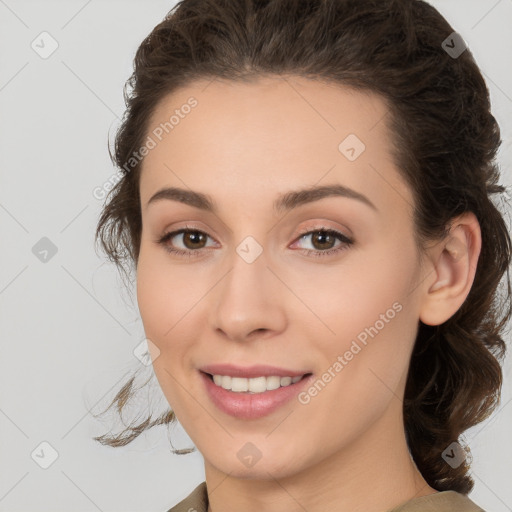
<point x="250" y="406"/>
<point x="250" y="371"/>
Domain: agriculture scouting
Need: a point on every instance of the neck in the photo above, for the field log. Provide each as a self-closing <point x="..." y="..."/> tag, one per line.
<point x="373" y="474"/>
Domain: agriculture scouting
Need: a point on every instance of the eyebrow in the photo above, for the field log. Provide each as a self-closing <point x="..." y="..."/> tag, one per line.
<point x="284" y="202"/>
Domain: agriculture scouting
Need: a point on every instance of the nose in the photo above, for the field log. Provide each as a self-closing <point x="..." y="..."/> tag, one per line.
<point x="249" y="302"/>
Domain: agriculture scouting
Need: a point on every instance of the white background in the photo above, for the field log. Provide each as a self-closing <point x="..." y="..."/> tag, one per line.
<point x="68" y="330"/>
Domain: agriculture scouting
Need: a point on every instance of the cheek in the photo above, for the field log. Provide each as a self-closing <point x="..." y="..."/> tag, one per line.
<point x="364" y="313"/>
<point x="375" y="320"/>
<point x="163" y="304"/>
<point x="152" y="298"/>
<point x="165" y="293"/>
<point x="362" y="290"/>
<point x="170" y="302"/>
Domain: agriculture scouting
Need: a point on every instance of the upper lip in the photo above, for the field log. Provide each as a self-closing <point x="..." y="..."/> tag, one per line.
<point x="249" y="371"/>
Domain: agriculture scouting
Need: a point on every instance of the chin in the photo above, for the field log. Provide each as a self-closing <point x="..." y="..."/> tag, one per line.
<point x="259" y="471"/>
<point x="265" y="465"/>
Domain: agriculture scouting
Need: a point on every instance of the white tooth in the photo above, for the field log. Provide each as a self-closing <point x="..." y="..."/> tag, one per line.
<point x="286" y="381"/>
<point x="258" y="384"/>
<point x="255" y="384"/>
<point x="239" y="384"/>
<point x="273" y="382"/>
<point x="226" y="382"/>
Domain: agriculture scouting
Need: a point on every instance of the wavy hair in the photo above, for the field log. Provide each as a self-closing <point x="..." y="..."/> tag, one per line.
<point x="445" y="142"/>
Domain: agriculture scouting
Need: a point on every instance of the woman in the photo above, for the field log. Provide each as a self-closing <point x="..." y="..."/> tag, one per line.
<point x="306" y="200"/>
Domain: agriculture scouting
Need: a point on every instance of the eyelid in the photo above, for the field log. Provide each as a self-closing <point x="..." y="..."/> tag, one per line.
<point x="344" y="239"/>
<point x="323" y="226"/>
<point x="171" y="233"/>
<point x="307" y="230"/>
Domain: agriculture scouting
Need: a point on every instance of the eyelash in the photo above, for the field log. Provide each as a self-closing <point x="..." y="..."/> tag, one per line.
<point x="346" y="242"/>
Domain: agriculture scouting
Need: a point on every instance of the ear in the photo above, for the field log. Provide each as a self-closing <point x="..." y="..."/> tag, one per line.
<point x="454" y="260"/>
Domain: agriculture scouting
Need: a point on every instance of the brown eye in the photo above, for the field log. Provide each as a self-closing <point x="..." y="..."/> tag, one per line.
<point x="185" y="242"/>
<point x="194" y="239"/>
<point x="322" y="240"/>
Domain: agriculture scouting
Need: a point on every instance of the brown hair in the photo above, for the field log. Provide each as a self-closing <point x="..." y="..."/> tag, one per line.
<point x="445" y="145"/>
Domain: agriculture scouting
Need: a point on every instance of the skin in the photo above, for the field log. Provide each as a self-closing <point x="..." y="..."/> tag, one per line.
<point x="244" y="144"/>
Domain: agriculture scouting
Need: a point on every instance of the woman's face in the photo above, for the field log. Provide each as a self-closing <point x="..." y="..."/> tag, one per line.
<point x="251" y="288"/>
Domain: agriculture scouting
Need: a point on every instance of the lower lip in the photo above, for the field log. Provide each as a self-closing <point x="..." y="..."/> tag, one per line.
<point x="251" y="405"/>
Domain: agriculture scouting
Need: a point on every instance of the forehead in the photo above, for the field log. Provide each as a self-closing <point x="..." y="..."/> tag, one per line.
<point x="283" y="129"/>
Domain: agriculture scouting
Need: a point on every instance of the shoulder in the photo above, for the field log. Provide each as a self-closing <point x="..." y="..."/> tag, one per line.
<point x="196" y="501"/>
<point x="444" y="501"/>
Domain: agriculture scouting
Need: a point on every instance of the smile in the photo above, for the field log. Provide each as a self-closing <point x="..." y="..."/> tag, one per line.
<point x="255" y="384"/>
<point x="251" y="398"/>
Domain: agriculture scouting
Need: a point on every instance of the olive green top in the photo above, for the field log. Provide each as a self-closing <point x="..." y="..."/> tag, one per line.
<point x="443" y="501"/>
